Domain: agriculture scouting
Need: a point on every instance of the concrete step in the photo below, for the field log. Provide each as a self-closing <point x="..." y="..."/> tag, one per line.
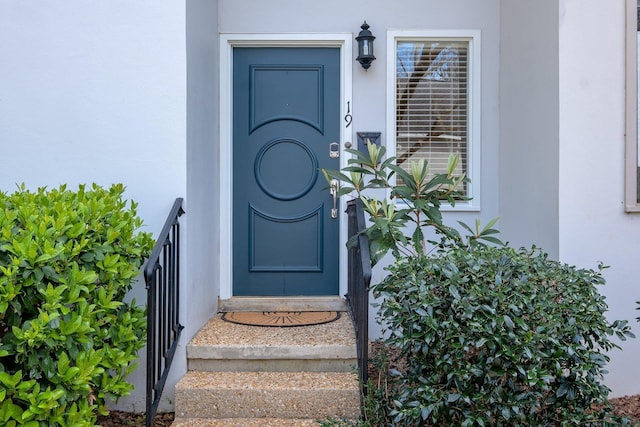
<point x="224" y="346"/>
<point x="244" y="422"/>
<point x="288" y="395"/>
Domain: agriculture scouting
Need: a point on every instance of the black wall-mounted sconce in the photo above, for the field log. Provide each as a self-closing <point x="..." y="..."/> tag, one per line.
<point x="365" y="46"/>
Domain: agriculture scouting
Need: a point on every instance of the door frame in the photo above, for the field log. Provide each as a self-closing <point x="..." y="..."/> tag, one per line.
<point x="343" y="41"/>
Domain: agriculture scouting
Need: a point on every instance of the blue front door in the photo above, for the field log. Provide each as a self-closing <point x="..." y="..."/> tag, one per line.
<point x="285" y="116"/>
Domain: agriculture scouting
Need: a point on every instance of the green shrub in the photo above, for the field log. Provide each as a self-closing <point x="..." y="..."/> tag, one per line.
<point x="68" y="338"/>
<point x="497" y="336"/>
<point x="491" y="335"/>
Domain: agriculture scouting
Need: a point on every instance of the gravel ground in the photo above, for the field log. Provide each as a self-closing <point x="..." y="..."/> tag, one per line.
<point x="628" y="406"/>
<point x="128" y="419"/>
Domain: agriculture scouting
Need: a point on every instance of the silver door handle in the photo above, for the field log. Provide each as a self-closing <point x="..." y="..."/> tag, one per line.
<point x="333" y="190"/>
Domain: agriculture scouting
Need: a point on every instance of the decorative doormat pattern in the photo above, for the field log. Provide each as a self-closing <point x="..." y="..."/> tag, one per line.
<point x="280" y="319"/>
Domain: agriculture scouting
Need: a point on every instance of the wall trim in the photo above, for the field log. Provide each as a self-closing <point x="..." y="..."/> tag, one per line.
<point x="631" y="107"/>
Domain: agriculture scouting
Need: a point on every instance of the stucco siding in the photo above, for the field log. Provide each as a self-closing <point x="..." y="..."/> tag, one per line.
<point x="529" y="124"/>
<point x="96" y="92"/>
<point x="592" y="223"/>
<point x="201" y="288"/>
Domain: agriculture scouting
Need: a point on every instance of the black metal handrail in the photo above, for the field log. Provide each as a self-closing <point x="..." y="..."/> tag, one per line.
<point x="162" y="277"/>
<point x="358" y="287"/>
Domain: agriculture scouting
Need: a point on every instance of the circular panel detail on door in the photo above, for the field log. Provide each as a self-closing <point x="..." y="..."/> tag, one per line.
<point x="294" y="180"/>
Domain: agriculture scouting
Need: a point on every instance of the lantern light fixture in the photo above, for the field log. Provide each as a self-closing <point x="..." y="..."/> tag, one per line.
<point x="365" y="46"/>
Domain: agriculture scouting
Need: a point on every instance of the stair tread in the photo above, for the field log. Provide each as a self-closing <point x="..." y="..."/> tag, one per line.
<point x="244" y="422"/>
<point x="217" y="332"/>
<point x="269" y="380"/>
<point x="288" y="395"/>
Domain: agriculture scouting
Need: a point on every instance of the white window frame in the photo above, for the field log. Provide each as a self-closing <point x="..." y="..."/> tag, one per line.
<point x="474" y="99"/>
<point x="631" y="120"/>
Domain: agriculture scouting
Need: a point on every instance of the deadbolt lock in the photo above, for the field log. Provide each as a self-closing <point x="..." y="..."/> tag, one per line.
<point x="334" y="150"/>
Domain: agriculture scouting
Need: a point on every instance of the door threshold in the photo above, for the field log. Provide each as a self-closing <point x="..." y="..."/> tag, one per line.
<point x="330" y="303"/>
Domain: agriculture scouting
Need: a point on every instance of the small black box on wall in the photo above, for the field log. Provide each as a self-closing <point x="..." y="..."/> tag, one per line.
<point x="373" y="137"/>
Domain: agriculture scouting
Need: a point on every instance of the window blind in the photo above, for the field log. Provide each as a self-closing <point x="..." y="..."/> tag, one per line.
<point x="432" y="103"/>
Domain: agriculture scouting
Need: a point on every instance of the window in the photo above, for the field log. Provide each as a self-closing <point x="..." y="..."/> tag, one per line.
<point x="434" y="114"/>
<point x="632" y="166"/>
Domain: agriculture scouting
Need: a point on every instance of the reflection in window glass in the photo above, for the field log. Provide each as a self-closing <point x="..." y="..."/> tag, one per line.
<point x="432" y="102"/>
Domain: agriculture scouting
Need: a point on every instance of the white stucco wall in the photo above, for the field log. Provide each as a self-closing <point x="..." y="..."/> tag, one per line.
<point x="529" y="124"/>
<point x="593" y="226"/>
<point x="201" y="288"/>
<point x="96" y="92"/>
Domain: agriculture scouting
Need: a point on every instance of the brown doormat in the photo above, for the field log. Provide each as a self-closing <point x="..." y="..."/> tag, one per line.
<point x="281" y="319"/>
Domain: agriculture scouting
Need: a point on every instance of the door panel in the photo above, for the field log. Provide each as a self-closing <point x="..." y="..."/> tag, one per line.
<point x="285" y="115"/>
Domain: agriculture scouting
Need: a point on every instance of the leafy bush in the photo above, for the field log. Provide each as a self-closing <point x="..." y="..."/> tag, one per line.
<point x="497" y="336"/>
<point x="399" y="221"/>
<point x="68" y="338"/>
<point x="491" y="335"/>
